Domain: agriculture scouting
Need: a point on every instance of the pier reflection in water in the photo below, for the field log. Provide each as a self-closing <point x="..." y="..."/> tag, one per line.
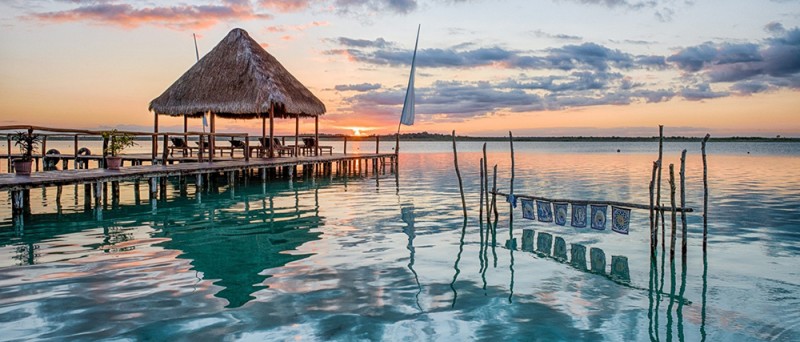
<point x="230" y="233"/>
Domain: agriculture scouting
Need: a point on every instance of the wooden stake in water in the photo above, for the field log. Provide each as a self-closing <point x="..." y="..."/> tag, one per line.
<point x="660" y="212"/>
<point x="486" y="187"/>
<point x="705" y="193"/>
<point x="653" y="235"/>
<point x="511" y="191"/>
<point x="458" y="174"/>
<point x="674" y="216"/>
<point x="683" y="205"/>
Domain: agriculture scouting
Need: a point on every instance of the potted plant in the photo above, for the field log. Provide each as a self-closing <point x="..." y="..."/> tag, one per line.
<point x="116" y="143"/>
<point x="26" y="141"/>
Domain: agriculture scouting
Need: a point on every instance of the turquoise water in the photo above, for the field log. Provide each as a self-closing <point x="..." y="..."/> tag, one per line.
<point x="387" y="257"/>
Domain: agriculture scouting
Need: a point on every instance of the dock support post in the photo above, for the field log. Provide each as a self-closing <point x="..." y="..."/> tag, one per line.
<point x="18" y="209"/>
<point x="673" y="219"/>
<point x="98" y="206"/>
<point x="705" y="194"/>
<point x="58" y="198"/>
<point x="136" y="196"/>
<point x="683" y="206"/>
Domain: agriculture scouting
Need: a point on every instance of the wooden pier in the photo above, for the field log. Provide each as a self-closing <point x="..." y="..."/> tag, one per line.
<point x="154" y="175"/>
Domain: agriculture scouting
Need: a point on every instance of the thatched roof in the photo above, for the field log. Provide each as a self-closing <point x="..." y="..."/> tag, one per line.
<point x="237" y="79"/>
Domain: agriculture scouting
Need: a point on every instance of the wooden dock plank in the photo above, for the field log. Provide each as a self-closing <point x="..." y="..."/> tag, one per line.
<point x="12" y="182"/>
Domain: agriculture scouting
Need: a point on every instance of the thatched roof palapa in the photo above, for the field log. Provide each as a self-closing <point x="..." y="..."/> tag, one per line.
<point x="237" y="79"/>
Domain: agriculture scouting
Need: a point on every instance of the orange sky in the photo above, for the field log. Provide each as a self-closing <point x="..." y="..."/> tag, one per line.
<point x="98" y="66"/>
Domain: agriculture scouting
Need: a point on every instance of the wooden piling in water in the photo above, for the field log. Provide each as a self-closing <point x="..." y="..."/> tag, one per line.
<point x="658" y="188"/>
<point x="705" y="193"/>
<point x="683" y="204"/>
<point x="458" y="175"/>
<point x="486" y="187"/>
<point x="511" y="191"/>
<point x="653" y="234"/>
<point x="672" y="201"/>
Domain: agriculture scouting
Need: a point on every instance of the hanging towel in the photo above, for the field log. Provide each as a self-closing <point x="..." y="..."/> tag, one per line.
<point x="527" y="209"/>
<point x="544" y="210"/>
<point x="561" y="213"/>
<point x="512" y="199"/>
<point x="599" y="216"/>
<point x="579" y="215"/>
<point x="620" y="220"/>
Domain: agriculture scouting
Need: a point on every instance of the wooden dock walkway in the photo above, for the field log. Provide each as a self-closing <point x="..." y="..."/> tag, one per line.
<point x="13" y="182"/>
<point x="156" y="175"/>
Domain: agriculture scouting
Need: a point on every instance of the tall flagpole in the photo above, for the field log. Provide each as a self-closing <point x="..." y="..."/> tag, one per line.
<point x="407" y="116"/>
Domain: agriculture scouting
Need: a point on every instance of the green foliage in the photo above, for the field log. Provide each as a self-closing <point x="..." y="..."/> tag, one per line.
<point x="117" y="142"/>
<point x="27" y="142"/>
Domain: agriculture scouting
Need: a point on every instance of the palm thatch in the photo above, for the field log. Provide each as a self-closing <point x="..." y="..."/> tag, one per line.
<point x="237" y="79"/>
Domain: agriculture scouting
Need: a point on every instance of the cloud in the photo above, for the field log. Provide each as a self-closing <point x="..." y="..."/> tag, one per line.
<point x="357" y="87"/>
<point x="750" y="87"/>
<point x="176" y="17"/>
<point x="297" y="28"/>
<point x="585" y="56"/>
<point x="776" y="60"/>
<point x="774" y="28"/>
<point x="556" y="36"/>
<point x="462" y="100"/>
<point x="285" y="5"/>
<point x="375" y="6"/>
<point x="701" y="92"/>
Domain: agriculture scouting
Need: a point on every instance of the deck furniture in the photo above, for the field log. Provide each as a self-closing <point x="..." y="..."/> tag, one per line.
<point x="264" y="145"/>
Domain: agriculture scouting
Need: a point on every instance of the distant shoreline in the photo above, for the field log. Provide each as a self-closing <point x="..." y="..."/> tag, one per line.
<point x="443" y="137"/>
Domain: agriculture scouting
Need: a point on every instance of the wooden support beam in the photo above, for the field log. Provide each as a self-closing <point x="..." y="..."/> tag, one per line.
<point x="316" y="135"/>
<point x="271" y="153"/>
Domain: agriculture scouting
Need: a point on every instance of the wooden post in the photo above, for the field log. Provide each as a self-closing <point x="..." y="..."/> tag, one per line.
<point x="185" y="136"/>
<point x="246" y="147"/>
<point x="705" y="193"/>
<point x="486" y="187"/>
<point x="494" y="206"/>
<point x="165" y="150"/>
<point x="683" y="205"/>
<point x="511" y="191"/>
<point x="316" y="135"/>
<point x="17" y="206"/>
<point x="212" y="137"/>
<point x="261" y="149"/>
<point x="674" y="216"/>
<point x="653" y="235"/>
<point x="660" y="212"/>
<point x="8" y="145"/>
<point x="44" y="146"/>
<point x="105" y="152"/>
<point x="296" y="135"/>
<point x="458" y="174"/>
<point x="345" y="145"/>
<point x="377" y="144"/>
<point x="271" y="153"/>
<point x="155" y="138"/>
<point x="75" y="151"/>
<point x="202" y="140"/>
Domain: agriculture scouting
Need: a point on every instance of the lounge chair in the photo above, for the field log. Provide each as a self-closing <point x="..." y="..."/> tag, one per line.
<point x="311" y="143"/>
<point x="279" y="149"/>
<point x="237" y="144"/>
<point x="179" y="144"/>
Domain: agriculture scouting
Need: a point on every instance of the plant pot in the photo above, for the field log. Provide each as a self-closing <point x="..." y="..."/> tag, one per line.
<point x="23" y="167"/>
<point x="113" y="163"/>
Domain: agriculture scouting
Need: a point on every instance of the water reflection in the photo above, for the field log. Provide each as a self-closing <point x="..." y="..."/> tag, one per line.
<point x="229" y="232"/>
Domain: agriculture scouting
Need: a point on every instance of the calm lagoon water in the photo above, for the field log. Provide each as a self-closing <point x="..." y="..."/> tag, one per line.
<point x="388" y="258"/>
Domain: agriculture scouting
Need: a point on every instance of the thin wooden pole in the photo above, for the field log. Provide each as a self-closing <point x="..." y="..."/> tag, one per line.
<point x="213" y="137"/>
<point x="75" y="150"/>
<point x="674" y="216"/>
<point x="185" y="136"/>
<point x="705" y="193"/>
<point x="653" y="235"/>
<point x="316" y="135"/>
<point x="683" y="204"/>
<point x="486" y="187"/>
<point x="8" y="145"/>
<point x="345" y="144"/>
<point x="494" y="208"/>
<point x="271" y="153"/>
<point x="296" y="135"/>
<point x="511" y="191"/>
<point x="377" y="144"/>
<point x="155" y="138"/>
<point x="458" y="174"/>
<point x="658" y="187"/>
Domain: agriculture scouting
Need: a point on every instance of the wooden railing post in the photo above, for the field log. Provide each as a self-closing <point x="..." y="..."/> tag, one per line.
<point x="377" y="144"/>
<point x="345" y="144"/>
<point x="246" y="147"/>
<point x="165" y="149"/>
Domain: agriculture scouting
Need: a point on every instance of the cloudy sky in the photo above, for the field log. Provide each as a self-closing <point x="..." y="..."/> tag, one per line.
<point x="548" y="67"/>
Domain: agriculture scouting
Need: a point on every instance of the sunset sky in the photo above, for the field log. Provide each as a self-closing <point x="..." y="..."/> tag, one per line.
<point x="546" y="68"/>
